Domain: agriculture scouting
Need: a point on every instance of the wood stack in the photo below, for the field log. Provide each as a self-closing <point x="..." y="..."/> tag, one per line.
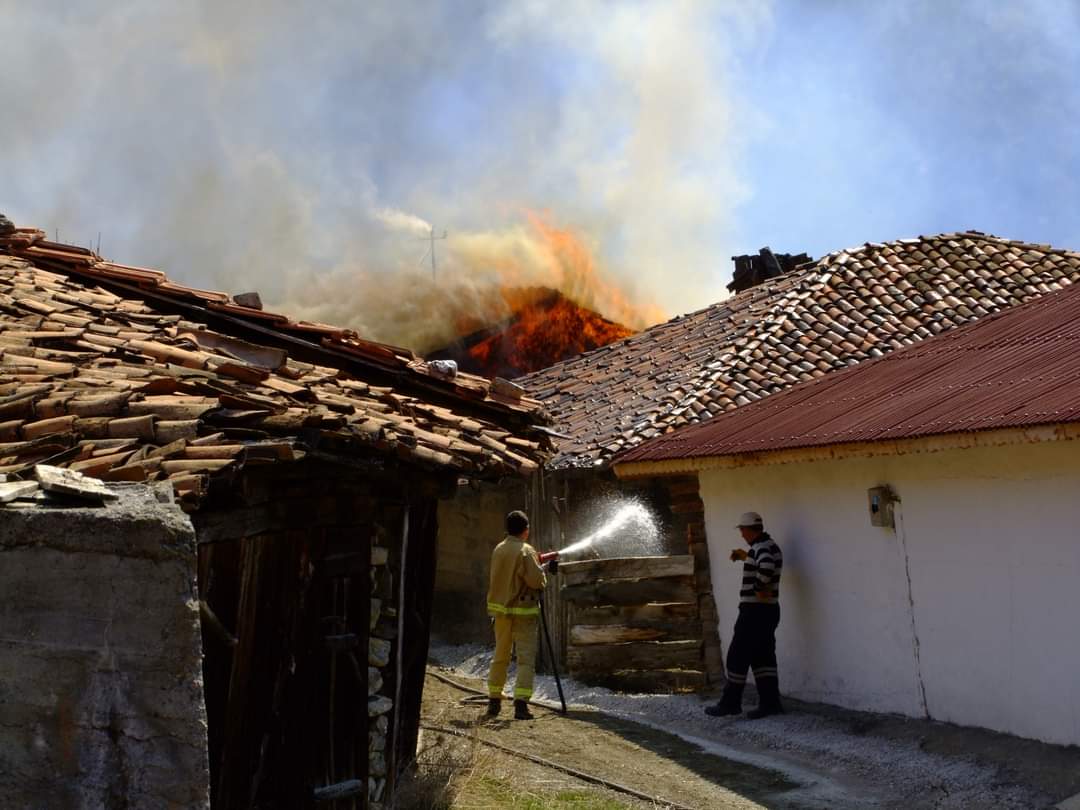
<point x="634" y="622"/>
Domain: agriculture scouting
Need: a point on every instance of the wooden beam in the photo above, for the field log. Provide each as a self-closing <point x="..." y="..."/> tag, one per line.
<point x="678" y="630"/>
<point x="635" y="616"/>
<point x="632" y="592"/>
<point x="577" y="573"/>
<point x="650" y="655"/>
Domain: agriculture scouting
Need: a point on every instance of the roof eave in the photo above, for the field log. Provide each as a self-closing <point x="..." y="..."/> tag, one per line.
<point x="1037" y="434"/>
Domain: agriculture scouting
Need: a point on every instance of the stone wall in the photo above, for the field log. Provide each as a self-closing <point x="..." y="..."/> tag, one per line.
<point x="101" y="701"/>
<point x="470" y="526"/>
<point x="688" y="521"/>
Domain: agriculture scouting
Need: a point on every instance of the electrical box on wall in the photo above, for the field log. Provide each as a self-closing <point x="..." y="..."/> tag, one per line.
<point x="881" y="500"/>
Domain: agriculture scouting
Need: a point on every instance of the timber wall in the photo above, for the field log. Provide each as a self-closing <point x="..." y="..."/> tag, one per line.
<point x="634" y="622"/>
<point x="311" y="687"/>
<point x="561" y="506"/>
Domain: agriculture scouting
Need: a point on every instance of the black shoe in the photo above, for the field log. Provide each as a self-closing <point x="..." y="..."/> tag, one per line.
<point x="722" y="709"/>
<point x="521" y="710"/>
<point x="494" y="706"/>
<point x="766" y="711"/>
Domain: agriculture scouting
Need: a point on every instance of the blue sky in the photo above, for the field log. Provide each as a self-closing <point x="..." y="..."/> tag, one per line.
<point x="302" y="151"/>
<point x="925" y="118"/>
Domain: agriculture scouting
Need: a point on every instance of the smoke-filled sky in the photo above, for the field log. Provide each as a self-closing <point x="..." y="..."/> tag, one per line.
<point x="304" y="150"/>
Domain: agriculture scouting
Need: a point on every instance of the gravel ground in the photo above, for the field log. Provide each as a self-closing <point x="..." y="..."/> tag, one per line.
<point x="839" y="758"/>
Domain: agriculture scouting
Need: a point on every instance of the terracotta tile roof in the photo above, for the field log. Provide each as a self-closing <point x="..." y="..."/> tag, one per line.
<point x="849" y="306"/>
<point x="98" y="373"/>
<point x="1015" y="369"/>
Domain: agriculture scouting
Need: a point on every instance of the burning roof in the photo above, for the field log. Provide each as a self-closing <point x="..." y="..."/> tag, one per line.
<point x="545" y="327"/>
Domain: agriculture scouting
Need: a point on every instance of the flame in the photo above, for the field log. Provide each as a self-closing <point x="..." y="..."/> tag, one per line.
<point x="546" y="328"/>
<point x="574" y="273"/>
<point x="486" y="278"/>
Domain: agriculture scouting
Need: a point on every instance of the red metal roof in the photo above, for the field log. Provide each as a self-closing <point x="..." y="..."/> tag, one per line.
<point x="1014" y="369"/>
<point x="850" y="306"/>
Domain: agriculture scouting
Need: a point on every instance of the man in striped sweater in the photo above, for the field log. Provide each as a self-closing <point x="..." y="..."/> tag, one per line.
<point x="753" y="644"/>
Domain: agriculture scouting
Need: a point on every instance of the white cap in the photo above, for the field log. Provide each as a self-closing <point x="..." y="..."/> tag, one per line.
<point x="750" y="520"/>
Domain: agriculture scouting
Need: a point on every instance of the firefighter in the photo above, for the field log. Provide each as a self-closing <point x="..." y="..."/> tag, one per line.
<point x="513" y="602"/>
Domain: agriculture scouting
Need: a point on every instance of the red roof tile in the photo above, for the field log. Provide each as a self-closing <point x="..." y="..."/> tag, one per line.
<point x="96" y="376"/>
<point x="1014" y="369"/>
<point x="850" y="306"/>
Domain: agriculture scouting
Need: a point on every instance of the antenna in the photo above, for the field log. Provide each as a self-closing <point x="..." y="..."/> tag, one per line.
<point x="431" y="249"/>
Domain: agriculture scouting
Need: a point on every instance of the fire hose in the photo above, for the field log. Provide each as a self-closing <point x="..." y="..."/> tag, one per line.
<point x="553" y="558"/>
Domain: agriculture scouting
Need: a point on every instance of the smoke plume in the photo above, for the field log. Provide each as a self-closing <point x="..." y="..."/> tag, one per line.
<point x="307" y="152"/>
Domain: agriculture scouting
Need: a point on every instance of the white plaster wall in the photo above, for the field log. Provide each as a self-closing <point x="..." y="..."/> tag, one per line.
<point x="991" y="540"/>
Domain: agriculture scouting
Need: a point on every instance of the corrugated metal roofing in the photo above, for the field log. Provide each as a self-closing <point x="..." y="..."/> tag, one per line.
<point x="851" y="306"/>
<point x="1014" y="369"/>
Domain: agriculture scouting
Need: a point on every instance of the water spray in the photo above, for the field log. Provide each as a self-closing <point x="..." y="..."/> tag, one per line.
<point x="624" y="516"/>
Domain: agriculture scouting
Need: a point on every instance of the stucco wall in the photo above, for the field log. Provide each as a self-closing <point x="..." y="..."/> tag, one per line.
<point x="101" y="701"/>
<point x="985" y="634"/>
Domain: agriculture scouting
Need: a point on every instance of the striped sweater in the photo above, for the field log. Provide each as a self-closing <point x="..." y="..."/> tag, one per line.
<point x="761" y="571"/>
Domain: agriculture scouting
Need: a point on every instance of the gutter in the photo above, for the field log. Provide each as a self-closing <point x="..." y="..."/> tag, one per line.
<point x="1040" y="434"/>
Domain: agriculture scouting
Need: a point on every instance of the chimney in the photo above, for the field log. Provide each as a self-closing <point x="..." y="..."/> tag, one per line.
<point x="751" y="271"/>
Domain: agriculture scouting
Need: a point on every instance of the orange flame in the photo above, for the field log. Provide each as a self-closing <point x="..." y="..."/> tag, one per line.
<point x="575" y="274"/>
<point x="487" y="278"/>
<point x="546" y="328"/>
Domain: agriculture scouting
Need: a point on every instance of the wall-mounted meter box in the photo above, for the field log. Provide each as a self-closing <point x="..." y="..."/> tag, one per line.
<point x="881" y="500"/>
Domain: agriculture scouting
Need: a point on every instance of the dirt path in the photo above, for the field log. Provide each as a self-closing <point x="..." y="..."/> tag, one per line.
<point x="650" y="761"/>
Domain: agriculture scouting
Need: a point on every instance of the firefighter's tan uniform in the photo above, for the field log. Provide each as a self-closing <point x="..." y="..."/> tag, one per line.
<point x="513" y="601"/>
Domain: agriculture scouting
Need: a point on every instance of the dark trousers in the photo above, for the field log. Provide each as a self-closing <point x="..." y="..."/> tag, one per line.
<point x="753" y="646"/>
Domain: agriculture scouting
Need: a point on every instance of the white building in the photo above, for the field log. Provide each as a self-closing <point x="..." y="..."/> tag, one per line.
<point x="965" y="605"/>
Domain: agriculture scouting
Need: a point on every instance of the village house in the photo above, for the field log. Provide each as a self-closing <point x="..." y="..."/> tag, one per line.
<point x="306" y="465"/>
<point x="926" y="506"/>
<point x="784" y="325"/>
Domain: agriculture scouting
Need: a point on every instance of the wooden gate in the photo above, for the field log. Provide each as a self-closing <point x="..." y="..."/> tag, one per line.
<point x="634" y="623"/>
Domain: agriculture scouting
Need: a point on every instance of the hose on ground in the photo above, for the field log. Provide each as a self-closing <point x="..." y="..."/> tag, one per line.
<point x="547" y="763"/>
<point x="555" y="707"/>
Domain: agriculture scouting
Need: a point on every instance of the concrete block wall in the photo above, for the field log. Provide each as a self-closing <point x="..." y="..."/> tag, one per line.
<point x="101" y="700"/>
